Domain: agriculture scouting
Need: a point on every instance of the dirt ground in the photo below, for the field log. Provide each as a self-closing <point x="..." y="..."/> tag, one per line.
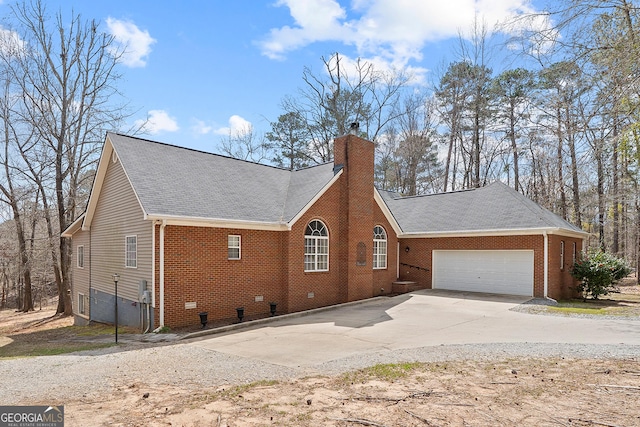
<point x="550" y="392"/>
<point x="505" y="392"/>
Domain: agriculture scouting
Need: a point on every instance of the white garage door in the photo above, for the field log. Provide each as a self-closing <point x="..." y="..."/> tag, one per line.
<point x="500" y="272"/>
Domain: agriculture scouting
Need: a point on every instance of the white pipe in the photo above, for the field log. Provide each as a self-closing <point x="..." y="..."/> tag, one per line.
<point x="153" y="264"/>
<point x="398" y="261"/>
<point x="148" y="318"/>
<point x="162" y="227"/>
<point x="546" y="264"/>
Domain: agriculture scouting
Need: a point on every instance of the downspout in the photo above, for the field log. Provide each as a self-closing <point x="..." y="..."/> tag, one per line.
<point x="90" y="287"/>
<point x="152" y="303"/>
<point x="162" y="227"/>
<point x="546" y="264"/>
<point x="398" y="261"/>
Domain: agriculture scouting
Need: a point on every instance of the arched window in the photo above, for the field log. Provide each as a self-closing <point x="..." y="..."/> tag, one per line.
<point x="316" y="247"/>
<point x="379" y="247"/>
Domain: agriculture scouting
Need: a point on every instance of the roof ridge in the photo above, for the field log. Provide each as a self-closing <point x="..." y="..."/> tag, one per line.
<point x="195" y="150"/>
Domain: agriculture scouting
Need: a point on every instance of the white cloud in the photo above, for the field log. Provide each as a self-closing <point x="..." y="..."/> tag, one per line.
<point x="135" y="42"/>
<point x="200" y="127"/>
<point x="158" y="121"/>
<point x="238" y="126"/>
<point x="10" y="43"/>
<point x="392" y="30"/>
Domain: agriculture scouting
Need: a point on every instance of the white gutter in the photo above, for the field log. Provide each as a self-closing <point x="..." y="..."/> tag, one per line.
<point x="162" y="227"/>
<point x="216" y="222"/>
<point x="546" y="264"/>
<point x="497" y="232"/>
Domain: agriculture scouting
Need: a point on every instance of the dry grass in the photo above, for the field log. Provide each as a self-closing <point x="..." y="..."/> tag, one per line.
<point x="516" y="392"/>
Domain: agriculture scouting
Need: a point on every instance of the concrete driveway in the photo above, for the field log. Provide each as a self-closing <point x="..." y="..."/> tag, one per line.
<point x="420" y="319"/>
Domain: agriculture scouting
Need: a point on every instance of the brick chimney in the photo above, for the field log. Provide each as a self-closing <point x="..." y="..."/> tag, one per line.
<point x="356" y="155"/>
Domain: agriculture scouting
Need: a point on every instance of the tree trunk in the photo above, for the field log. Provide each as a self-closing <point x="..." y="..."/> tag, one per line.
<point x="514" y="145"/>
<point x="575" y="187"/>
<point x="615" y="247"/>
<point x="600" y="187"/>
<point x="563" y="196"/>
<point x="27" y="298"/>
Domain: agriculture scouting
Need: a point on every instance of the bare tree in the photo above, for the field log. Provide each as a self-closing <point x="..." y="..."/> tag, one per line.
<point x="244" y="144"/>
<point x="65" y="72"/>
<point x="352" y="92"/>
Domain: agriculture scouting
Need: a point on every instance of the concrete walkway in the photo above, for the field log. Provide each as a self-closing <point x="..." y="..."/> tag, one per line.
<point x="420" y="319"/>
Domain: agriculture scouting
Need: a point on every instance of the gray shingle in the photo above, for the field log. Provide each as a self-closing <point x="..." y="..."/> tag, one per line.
<point x="176" y="181"/>
<point x="494" y="207"/>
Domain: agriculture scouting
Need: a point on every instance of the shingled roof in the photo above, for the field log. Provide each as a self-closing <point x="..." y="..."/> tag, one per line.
<point x="172" y="181"/>
<point x="494" y="208"/>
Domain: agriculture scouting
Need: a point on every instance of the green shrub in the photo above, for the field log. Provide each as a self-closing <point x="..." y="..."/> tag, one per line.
<point x="598" y="272"/>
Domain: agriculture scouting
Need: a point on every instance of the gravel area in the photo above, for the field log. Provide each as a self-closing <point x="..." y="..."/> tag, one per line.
<point x="539" y="305"/>
<point x="57" y="379"/>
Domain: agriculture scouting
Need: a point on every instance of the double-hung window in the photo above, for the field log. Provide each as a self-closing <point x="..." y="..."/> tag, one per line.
<point x="131" y="252"/>
<point x="316" y="247"/>
<point x="379" y="248"/>
<point x="233" y="246"/>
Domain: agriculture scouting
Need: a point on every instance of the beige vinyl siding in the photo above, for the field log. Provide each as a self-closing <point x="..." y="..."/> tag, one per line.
<point x="81" y="276"/>
<point x="118" y="214"/>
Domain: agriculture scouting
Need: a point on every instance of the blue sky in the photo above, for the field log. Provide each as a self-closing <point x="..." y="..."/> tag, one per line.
<point x="201" y="69"/>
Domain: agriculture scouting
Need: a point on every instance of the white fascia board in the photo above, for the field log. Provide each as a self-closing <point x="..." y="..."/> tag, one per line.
<point x="387" y="213"/>
<point x="315" y="199"/>
<point x="498" y="232"/>
<point x="74" y="226"/>
<point x="217" y="223"/>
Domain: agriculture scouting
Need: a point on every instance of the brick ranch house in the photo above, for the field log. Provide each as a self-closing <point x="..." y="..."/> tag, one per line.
<point x="204" y="232"/>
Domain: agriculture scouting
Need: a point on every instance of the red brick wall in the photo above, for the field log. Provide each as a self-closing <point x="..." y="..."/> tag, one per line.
<point x="420" y="254"/>
<point x="197" y="269"/>
<point x="383" y="278"/>
<point x="561" y="283"/>
<point x="327" y="287"/>
<point x="357" y="156"/>
<point x="272" y="265"/>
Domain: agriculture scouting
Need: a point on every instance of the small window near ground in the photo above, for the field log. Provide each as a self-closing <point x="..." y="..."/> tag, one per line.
<point x="80" y="256"/>
<point x="233" y="246"/>
<point x="81" y="308"/>
<point x="131" y="251"/>
<point x="316" y="247"/>
<point x="562" y="255"/>
<point x="379" y="248"/>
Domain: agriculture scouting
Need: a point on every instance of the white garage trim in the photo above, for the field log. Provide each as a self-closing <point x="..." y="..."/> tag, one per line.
<point x="492" y="271"/>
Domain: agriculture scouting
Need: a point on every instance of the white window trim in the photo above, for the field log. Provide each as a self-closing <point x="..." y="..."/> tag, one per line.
<point x="78" y="264"/>
<point x="376" y="245"/>
<point x="561" y="254"/>
<point x="575" y="255"/>
<point x="239" y="247"/>
<point x="316" y="239"/>
<point x="126" y="251"/>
